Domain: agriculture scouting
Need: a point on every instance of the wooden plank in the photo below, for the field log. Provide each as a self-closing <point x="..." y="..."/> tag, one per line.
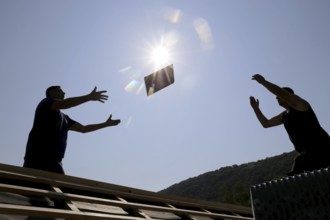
<point x="188" y="217"/>
<point x="85" y="206"/>
<point x="107" y="191"/>
<point x="128" y="199"/>
<point x="50" y="194"/>
<point x="68" y="203"/>
<point x="67" y="181"/>
<point x="9" y="209"/>
<point x="137" y="212"/>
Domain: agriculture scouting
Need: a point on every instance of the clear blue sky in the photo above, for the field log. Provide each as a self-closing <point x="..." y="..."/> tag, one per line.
<point x="200" y="123"/>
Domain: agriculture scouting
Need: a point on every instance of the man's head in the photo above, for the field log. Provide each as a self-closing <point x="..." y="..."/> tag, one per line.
<point x="55" y="92"/>
<point x="283" y="103"/>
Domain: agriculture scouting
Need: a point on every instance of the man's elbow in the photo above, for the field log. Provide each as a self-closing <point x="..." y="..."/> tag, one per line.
<point x="266" y="125"/>
<point x="84" y="130"/>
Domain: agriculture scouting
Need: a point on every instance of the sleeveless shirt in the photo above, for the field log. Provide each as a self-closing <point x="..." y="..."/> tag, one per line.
<point x="305" y="131"/>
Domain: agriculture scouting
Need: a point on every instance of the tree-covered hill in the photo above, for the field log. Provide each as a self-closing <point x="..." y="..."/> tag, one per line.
<point x="232" y="184"/>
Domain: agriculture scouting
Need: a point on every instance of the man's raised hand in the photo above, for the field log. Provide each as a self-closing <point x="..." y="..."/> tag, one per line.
<point x="98" y="95"/>
<point x="254" y="102"/>
<point x="111" y="122"/>
<point x="259" y="78"/>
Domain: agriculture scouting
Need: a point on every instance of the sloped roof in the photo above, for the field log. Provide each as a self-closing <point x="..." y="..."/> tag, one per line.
<point x="35" y="193"/>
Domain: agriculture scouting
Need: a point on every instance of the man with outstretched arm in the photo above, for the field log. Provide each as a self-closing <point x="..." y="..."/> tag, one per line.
<point x="310" y="140"/>
<point x="47" y="139"/>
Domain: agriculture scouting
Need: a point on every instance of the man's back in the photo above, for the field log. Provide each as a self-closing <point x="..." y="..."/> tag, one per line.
<point x="47" y="138"/>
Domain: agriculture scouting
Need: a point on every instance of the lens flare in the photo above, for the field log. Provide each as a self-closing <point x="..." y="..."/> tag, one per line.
<point x="131" y="86"/>
<point x="133" y="78"/>
<point x="138" y="91"/>
<point x="129" y="121"/>
<point x="172" y="15"/>
<point x="204" y="33"/>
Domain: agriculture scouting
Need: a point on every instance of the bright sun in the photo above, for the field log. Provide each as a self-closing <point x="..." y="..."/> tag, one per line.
<point x="161" y="52"/>
<point x="160" y="55"/>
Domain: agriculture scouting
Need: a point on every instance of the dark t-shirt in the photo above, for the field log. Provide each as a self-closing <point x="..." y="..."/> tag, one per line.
<point x="305" y="131"/>
<point x="48" y="136"/>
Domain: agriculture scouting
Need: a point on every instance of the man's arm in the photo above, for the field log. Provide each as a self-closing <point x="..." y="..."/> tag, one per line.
<point x="293" y="100"/>
<point x="74" y="101"/>
<point x="93" y="127"/>
<point x="265" y="122"/>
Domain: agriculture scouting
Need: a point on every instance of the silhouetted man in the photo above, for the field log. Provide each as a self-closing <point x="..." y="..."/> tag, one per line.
<point x="47" y="140"/>
<point x="308" y="137"/>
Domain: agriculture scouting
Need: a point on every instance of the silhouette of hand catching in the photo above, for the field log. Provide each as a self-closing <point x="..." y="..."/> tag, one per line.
<point x="98" y="95"/>
<point x="259" y="78"/>
<point x="254" y="102"/>
<point x="111" y="122"/>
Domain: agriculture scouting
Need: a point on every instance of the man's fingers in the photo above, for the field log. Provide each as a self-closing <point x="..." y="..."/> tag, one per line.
<point x="103" y="96"/>
<point x="113" y="122"/>
<point x="100" y="97"/>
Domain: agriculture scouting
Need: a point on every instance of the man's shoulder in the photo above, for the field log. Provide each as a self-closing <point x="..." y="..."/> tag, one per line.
<point x="47" y="100"/>
<point x="46" y="103"/>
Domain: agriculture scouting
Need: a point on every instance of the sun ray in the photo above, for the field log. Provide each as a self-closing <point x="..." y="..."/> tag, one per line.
<point x="160" y="55"/>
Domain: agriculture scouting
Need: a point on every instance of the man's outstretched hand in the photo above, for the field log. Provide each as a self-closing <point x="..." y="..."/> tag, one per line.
<point x="259" y="78"/>
<point x="254" y="102"/>
<point x="111" y="122"/>
<point x="98" y="95"/>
